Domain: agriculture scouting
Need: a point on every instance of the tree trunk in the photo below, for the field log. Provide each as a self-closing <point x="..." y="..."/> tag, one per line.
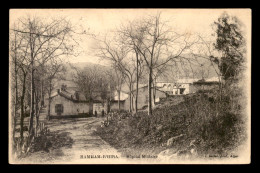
<point x="150" y="91"/>
<point x="136" y="97"/>
<point x="49" y="102"/>
<point x="31" y="130"/>
<point x="154" y="91"/>
<point x="22" y="110"/>
<point x="36" y="111"/>
<point x="42" y="95"/>
<point x="38" y="108"/>
<point x="130" y="99"/>
<point x="15" y="102"/>
<point x="118" y="94"/>
<point x="137" y="81"/>
<point x="49" y="108"/>
<point x="16" y="93"/>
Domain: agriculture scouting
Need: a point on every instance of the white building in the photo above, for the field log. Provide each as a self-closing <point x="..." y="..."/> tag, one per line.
<point x="69" y="102"/>
<point x="179" y="87"/>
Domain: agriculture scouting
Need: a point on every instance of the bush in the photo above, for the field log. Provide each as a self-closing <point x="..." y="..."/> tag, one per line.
<point x="200" y="117"/>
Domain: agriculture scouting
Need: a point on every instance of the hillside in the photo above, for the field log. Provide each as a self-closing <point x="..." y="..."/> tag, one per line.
<point x="80" y="66"/>
<point x="68" y="76"/>
<point x="184" y="70"/>
<point x="187" y="126"/>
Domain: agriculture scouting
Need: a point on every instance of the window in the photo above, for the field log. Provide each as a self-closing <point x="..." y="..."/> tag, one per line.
<point x="182" y="90"/>
<point x="59" y="108"/>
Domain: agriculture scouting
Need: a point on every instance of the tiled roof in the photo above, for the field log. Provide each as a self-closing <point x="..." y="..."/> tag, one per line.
<point x="71" y="97"/>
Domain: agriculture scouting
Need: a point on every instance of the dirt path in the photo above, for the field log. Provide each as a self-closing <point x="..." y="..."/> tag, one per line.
<point x="86" y="146"/>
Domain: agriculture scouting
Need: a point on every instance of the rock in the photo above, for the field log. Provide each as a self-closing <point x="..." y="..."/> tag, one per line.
<point x="93" y="128"/>
<point x="166" y="154"/>
<point x="193" y="151"/>
<point x="159" y="127"/>
<point x="173" y="139"/>
<point x="192" y="142"/>
<point x="173" y="156"/>
<point x="163" y="144"/>
<point x="192" y="147"/>
<point x="183" y="152"/>
<point x="162" y="155"/>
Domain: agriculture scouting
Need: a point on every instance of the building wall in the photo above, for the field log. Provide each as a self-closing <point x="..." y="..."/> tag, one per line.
<point x="143" y="98"/>
<point x="176" y="91"/>
<point x="172" y="89"/>
<point x="69" y="107"/>
<point x="114" y="106"/>
<point x="159" y="94"/>
<point x="99" y="107"/>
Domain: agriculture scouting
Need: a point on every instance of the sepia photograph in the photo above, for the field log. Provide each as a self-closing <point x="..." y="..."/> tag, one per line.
<point x="129" y="86"/>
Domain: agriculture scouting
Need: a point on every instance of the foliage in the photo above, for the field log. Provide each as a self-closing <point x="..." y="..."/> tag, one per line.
<point x="216" y="129"/>
<point x="92" y="80"/>
<point x="36" y="46"/>
<point x="230" y="42"/>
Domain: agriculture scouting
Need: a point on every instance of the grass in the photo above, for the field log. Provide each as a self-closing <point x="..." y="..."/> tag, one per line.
<point x="46" y="146"/>
<point x="211" y="125"/>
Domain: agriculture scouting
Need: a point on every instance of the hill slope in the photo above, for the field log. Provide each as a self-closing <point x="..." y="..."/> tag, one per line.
<point x="192" y="124"/>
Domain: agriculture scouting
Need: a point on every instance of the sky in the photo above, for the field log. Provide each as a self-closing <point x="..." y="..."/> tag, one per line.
<point x="100" y="21"/>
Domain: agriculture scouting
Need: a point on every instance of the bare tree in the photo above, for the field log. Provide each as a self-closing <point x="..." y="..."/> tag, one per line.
<point x="19" y="53"/>
<point x="119" y="82"/>
<point x="115" y="81"/>
<point x="23" y="76"/>
<point x="15" y="45"/>
<point x="93" y="83"/>
<point x="116" y="54"/>
<point x="128" y="69"/>
<point x="158" y="45"/>
<point x="46" y="40"/>
<point x="126" y="38"/>
<point x="53" y="71"/>
<point x="86" y="81"/>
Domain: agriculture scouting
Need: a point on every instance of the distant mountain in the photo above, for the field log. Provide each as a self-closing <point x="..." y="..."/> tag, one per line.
<point x="195" y="70"/>
<point x="68" y="76"/>
<point x="81" y="66"/>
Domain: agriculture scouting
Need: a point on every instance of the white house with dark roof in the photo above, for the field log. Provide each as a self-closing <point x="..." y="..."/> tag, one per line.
<point x="70" y="102"/>
<point x="64" y="103"/>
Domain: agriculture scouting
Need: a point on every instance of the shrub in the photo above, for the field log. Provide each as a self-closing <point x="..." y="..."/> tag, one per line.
<point x="201" y="117"/>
